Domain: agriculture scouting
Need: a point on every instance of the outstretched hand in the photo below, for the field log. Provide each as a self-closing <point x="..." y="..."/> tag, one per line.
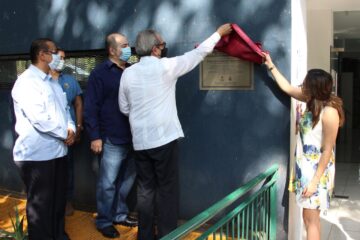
<point x="267" y="60"/>
<point x="224" y="29"/>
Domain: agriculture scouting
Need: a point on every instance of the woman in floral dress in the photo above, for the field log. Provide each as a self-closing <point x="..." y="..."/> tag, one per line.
<point x="317" y="130"/>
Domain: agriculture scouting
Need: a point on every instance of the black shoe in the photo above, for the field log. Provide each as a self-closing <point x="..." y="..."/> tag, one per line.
<point x="128" y="222"/>
<point x="109" y="232"/>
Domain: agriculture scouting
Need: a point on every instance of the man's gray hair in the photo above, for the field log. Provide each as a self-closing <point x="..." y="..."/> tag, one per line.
<point x="145" y="41"/>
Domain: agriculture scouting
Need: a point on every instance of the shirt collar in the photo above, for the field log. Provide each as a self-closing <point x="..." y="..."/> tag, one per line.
<point x="148" y="58"/>
<point x="39" y="72"/>
<point x="110" y="63"/>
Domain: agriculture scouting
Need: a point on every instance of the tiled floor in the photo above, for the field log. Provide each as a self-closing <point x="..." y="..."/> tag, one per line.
<point x="342" y="220"/>
<point x="80" y="226"/>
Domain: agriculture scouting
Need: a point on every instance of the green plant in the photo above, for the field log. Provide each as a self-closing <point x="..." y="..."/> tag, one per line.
<point x="18" y="226"/>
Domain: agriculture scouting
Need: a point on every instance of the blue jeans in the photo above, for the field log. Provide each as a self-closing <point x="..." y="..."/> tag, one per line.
<point x="115" y="180"/>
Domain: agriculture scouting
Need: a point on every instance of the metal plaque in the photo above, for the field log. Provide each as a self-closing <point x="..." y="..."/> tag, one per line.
<point x="219" y="71"/>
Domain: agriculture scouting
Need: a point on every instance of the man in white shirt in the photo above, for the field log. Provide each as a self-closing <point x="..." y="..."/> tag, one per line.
<point x="147" y="96"/>
<point x="45" y="129"/>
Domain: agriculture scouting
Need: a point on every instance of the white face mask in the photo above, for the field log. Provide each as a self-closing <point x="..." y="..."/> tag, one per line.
<point x="60" y="66"/>
<point x="54" y="62"/>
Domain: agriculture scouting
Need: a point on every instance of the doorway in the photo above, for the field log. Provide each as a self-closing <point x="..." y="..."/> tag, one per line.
<point x="345" y="62"/>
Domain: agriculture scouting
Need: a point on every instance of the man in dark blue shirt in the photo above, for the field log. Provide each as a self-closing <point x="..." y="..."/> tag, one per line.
<point x="110" y="136"/>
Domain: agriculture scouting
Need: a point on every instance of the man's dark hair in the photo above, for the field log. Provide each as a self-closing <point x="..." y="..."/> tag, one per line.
<point x="40" y="44"/>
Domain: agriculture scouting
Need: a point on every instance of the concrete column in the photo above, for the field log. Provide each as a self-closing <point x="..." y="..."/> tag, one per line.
<point x="298" y="72"/>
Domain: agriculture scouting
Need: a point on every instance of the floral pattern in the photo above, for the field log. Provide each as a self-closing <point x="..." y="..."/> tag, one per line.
<point x="307" y="156"/>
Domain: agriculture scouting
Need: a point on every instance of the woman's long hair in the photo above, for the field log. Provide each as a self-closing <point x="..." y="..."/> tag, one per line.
<point x="317" y="87"/>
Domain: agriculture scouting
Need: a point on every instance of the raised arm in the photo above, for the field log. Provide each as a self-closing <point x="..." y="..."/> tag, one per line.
<point x="183" y="64"/>
<point x="282" y="82"/>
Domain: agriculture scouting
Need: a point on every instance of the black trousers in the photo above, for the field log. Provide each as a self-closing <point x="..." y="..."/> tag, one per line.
<point x="45" y="183"/>
<point x="157" y="188"/>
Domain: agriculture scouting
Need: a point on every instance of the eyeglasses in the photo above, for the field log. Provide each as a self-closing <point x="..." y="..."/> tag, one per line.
<point x="163" y="44"/>
<point x="50" y="52"/>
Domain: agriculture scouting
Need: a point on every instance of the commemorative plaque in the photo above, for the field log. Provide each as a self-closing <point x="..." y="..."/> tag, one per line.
<point x="220" y="71"/>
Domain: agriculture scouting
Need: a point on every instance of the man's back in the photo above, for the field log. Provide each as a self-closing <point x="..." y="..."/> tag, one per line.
<point x="147" y="94"/>
<point x="152" y="95"/>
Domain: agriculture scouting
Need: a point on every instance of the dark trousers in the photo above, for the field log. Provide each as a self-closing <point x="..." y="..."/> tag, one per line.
<point x="45" y="183"/>
<point x="157" y="188"/>
<point x="70" y="173"/>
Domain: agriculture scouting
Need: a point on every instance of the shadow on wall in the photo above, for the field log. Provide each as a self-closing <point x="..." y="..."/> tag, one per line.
<point x="8" y="168"/>
<point x="82" y="25"/>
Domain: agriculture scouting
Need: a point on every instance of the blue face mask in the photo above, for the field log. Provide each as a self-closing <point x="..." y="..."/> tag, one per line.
<point x="54" y="62"/>
<point x="125" y="54"/>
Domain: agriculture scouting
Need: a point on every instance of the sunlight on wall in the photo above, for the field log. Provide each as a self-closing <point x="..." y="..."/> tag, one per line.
<point x="218" y="102"/>
<point x="7" y="139"/>
<point x="77" y="27"/>
<point x="250" y="10"/>
<point x="97" y="15"/>
<point x="169" y="21"/>
<point x="165" y="22"/>
<point x="53" y="20"/>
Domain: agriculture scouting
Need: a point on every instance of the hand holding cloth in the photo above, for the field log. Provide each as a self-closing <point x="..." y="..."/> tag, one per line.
<point x="238" y="44"/>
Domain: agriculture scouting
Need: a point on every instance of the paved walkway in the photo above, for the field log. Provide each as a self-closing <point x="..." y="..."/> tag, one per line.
<point x="342" y="220"/>
<point x="79" y="226"/>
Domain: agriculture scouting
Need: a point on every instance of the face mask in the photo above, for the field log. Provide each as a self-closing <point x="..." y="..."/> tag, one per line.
<point x="125" y="54"/>
<point x="164" y="53"/>
<point x="60" y="66"/>
<point x="54" y="62"/>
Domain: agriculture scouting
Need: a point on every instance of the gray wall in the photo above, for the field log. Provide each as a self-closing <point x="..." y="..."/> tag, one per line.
<point x="231" y="136"/>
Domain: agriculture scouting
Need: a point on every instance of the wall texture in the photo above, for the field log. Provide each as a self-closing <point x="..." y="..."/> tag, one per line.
<point x="231" y="136"/>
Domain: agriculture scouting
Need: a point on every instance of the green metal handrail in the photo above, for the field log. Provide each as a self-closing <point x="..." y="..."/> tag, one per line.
<point x="238" y="209"/>
<point x="212" y="211"/>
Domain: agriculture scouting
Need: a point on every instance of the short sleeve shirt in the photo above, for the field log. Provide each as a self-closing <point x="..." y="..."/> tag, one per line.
<point x="72" y="89"/>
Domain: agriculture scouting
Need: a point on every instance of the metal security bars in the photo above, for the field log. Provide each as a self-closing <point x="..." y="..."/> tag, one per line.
<point x="254" y="218"/>
<point x="77" y="63"/>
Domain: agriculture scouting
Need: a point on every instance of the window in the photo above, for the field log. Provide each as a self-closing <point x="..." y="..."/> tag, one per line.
<point x="78" y="64"/>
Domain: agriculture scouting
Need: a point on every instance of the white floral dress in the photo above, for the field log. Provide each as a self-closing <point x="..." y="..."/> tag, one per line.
<point x="307" y="158"/>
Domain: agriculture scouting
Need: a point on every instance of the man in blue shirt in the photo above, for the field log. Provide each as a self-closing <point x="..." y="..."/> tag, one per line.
<point x="73" y="95"/>
<point x="109" y="132"/>
<point x="44" y="129"/>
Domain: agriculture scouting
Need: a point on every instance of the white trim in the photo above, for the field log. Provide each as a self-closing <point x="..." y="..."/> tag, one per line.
<point x="298" y="72"/>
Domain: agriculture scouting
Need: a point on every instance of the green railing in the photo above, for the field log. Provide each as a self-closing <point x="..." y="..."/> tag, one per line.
<point x="253" y="218"/>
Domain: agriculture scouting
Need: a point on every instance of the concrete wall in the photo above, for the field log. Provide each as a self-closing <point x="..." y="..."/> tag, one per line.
<point x="231" y="136"/>
<point x="320" y="29"/>
<point x="320" y="38"/>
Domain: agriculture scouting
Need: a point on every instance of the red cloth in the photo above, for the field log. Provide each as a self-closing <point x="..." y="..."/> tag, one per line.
<point x="238" y="44"/>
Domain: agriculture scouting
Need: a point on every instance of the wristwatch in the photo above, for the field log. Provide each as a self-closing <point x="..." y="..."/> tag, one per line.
<point x="79" y="126"/>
